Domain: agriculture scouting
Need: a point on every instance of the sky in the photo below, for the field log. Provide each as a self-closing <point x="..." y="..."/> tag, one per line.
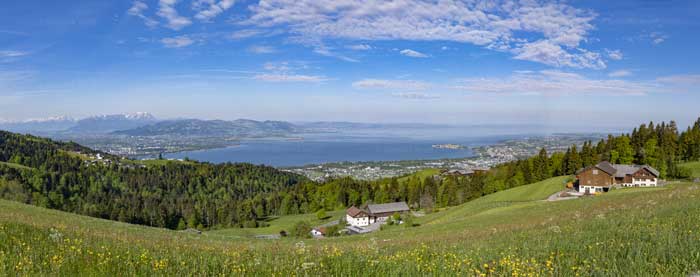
<point x="580" y="63"/>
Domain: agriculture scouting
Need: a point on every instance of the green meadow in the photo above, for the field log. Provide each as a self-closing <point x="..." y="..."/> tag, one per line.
<point x="635" y="232"/>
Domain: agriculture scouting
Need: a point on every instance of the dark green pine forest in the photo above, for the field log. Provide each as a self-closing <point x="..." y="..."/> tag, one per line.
<point x="179" y="195"/>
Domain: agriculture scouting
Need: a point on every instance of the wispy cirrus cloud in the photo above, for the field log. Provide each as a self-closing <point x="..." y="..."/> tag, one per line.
<point x="548" y="32"/>
<point x="277" y="77"/>
<point x="684" y="79"/>
<point x="177" y="42"/>
<point x="411" y="85"/>
<point x="415" y="95"/>
<point x="614" y="54"/>
<point x="245" y="33"/>
<point x="359" y="47"/>
<point x="620" y="73"/>
<point x="7" y="56"/>
<point x="287" y="72"/>
<point x="209" y="9"/>
<point x="166" y="10"/>
<point x="553" y="83"/>
<point x="657" y="38"/>
<point x="262" y="49"/>
<point x="412" y="53"/>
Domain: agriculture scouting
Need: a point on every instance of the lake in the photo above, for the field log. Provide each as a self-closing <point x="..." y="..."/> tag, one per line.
<point x="367" y="145"/>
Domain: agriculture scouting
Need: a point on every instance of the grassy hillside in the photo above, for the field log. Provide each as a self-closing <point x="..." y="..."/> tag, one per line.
<point x="694" y="168"/>
<point x="278" y="224"/>
<point x="536" y="191"/>
<point x="422" y="174"/>
<point x="16" y="166"/>
<point x="638" y="232"/>
<point x="518" y="196"/>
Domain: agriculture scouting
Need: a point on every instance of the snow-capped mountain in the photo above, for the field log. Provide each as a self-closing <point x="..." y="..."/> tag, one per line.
<point x="111" y="123"/>
<point x="93" y="124"/>
<point x="39" y="125"/>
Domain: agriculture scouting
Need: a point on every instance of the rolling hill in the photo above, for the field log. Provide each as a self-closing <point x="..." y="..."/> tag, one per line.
<point x="638" y="232"/>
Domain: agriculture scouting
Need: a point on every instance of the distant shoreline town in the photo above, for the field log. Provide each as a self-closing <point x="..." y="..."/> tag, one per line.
<point x="484" y="157"/>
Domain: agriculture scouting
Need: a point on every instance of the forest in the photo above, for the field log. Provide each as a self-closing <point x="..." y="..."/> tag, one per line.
<point x="179" y="195"/>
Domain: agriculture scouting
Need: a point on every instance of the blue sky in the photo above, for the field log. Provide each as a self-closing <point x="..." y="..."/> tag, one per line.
<point x="589" y="63"/>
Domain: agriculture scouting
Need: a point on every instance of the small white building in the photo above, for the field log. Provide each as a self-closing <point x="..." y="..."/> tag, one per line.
<point x="318" y="232"/>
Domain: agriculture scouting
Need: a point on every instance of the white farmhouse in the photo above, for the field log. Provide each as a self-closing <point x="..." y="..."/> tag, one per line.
<point x="374" y="213"/>
<point x="357" y="217"/>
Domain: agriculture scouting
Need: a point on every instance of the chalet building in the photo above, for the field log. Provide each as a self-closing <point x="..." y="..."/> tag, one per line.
<point x="602" y="176"/>
<point x="374" y="213"/>
<point x="357" y="217"/>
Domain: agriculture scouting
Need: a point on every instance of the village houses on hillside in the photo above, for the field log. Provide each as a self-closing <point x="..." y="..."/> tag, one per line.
<point x="604" y="175"/>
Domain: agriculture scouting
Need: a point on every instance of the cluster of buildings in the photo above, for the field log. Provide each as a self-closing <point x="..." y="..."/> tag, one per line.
<point x="591" y="180"/>
<point x="368" y="219"/>
<point x="604" y="175"/>
<point x="464" y="172"/>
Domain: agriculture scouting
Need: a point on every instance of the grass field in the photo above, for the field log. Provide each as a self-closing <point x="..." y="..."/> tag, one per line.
<point x="16" y="166"/>
<point x="636" y="233"/>
<point x="277" y="224"/>
<point x="694" y="168"/>
<point x="421" y="174"/>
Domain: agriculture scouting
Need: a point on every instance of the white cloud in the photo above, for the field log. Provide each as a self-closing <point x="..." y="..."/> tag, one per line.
<point x="657" y="38"/>
<point x="553" y="83"/>
<point x="209" y="9"/>
<point x="391" y="84"/>
<point x="290" y="78"/>
<point x="614" y="54"/>
<point x="323" y="50"/>
<point x="261" y="49"/>
<point x="620" y="73"/>
<point x="137" y="9"/>
<point x="167" y="11"/>
<point x="12" y="54"/>
<point x="547" y="52"/>
<point x="412" y="53"/>
<point x="286" y="66"/>
<point x="683" y="80"/>
<point x="415" y="95"/>
<point x="518" y="27"/>
<point x="287" y="72"/>
<point x="246" y="33"/>
<point x="177" y="42"/>
<point x="359" y="47"/>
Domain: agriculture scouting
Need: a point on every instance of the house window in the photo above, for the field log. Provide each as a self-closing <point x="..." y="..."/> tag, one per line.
<point x="595" y="172"/>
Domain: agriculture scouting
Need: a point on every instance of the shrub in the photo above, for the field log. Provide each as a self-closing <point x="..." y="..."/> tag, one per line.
<point x="321" y="214"/>
<point x="302" y="229"/>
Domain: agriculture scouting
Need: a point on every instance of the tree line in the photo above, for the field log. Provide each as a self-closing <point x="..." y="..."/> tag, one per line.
<point x="202" y="195"/>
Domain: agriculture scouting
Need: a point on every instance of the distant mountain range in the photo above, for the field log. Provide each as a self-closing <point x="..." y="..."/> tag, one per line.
<point x="94" y="124"/>
<point x="111" y="123"/>
<point x="197" y="127"/>
<point x="145" y="124"/>
<point x="47" y="125"/>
